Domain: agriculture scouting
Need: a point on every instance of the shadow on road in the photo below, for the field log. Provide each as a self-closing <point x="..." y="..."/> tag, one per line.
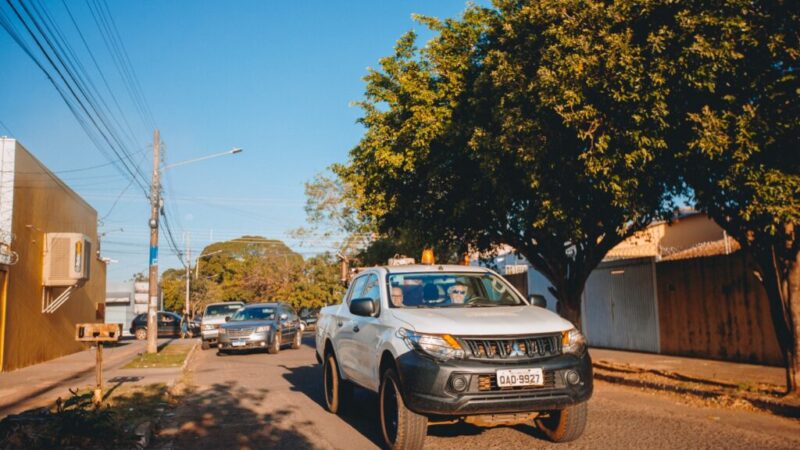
<point x="361" y="413"/>
<point x="225" y="416"/>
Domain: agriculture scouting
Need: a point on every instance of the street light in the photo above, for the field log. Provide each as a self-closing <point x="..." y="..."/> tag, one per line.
<point x="197" y="265"/>
<point x="232" y="151"/>
<point x="155" y="206"/>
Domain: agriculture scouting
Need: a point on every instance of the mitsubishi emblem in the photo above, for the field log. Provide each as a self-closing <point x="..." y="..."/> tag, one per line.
<point x="515" y="350"/>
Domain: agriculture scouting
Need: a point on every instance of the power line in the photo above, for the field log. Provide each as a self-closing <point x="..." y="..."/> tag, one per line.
<point x="97" y="67"/>
<point x="10" y="133"/>
<point x="66" y="76"/>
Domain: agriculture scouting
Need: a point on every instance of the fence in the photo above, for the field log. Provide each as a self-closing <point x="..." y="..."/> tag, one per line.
<point x="714" y="307"/>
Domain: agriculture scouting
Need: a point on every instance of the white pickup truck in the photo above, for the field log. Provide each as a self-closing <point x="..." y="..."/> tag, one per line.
<point x="445" y="343"/>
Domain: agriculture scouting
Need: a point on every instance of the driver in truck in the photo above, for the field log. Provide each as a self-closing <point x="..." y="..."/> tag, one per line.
<point x="457" y="293"/>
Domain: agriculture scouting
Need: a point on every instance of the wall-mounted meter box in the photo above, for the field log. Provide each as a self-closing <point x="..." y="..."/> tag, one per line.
<point x="67" y="259"/>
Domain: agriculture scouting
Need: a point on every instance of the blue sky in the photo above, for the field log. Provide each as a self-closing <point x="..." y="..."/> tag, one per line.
<point x="274" y="78"/>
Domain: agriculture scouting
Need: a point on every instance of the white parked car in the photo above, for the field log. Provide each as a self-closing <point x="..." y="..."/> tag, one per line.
<point x="213" y="318"/>
<point x="453" y="343"/>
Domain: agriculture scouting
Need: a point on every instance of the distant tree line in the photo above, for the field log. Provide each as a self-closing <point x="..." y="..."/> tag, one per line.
<point x="254" y="269"/>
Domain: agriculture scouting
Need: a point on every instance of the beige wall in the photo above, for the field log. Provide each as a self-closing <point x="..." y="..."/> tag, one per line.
<point x="688" y="232"/>
<point x="43" y="204"/>
<point x="662" y="239"/>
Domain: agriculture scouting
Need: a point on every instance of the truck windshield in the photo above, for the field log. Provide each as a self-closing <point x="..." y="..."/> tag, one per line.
<point x="458" y="290"/>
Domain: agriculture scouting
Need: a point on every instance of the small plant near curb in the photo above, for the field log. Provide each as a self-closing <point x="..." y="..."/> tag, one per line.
<point x="126" y="416"/>
<point x="72" y="424"/>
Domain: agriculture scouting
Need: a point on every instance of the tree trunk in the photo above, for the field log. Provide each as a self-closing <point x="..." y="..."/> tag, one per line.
<point x="793" y="303"/>
<point x="781" y="280"/>
<point x="569" y="306"/>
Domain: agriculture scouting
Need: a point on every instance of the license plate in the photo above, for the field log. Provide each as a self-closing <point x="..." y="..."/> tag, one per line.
<point x="237" y="343"/>
<point x="520" y="377"/>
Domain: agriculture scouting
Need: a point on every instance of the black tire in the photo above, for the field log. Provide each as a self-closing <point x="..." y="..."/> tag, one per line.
<point x="221" y="352"/>
<point x="565" y="425"/>
<point x="141" y="334"/>
<point x="338" y="392"/>
<point x="401" y="428"/>
<point x="275" y="345"/>
<point x="205" y="345"/>
<point x="298" y="339"/>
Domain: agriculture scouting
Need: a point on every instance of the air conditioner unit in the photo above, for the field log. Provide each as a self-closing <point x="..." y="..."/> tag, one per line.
<point x="67" y="259"/>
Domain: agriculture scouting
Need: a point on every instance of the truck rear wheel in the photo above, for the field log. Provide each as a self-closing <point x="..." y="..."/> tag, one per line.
<point x="401" y="428"/>
<point x="564" y="425"/>
<point x="338" y="392"/>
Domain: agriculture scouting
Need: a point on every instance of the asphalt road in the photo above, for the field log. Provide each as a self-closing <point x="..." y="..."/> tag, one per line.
<point x="258" y="400"/>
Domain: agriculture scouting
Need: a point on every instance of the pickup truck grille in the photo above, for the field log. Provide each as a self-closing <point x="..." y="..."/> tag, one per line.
<point x="240" y="332"/>
<point x="511" y="348"/>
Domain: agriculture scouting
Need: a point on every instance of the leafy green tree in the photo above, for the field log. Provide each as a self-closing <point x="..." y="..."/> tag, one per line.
<point x="318" y="285"/>
<point x="483" y="138"/>
<point x="173" y="288"/>
<point x="734" y="123"/>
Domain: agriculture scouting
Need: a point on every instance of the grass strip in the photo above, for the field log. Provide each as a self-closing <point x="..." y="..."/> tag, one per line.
<point x="172" y="355"/>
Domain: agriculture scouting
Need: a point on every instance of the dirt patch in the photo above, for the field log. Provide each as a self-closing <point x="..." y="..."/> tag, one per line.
<point x="763" y="397"/>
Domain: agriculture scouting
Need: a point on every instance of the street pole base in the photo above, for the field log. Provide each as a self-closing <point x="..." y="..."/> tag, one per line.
<point x="97" y="396"/>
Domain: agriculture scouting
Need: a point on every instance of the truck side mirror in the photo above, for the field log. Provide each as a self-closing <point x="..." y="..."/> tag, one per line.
<point x="538" y="300"/>
<point x="227" y="318"/>
<point x="362" y="307"/>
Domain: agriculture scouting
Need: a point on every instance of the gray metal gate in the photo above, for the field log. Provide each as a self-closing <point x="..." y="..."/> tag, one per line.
<point x="620" y="308"/>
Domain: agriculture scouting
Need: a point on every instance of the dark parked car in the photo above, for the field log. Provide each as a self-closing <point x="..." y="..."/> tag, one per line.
<point x="169" y="324"/>
<point x="263" y="325"/>
<point x="309" y="317"/>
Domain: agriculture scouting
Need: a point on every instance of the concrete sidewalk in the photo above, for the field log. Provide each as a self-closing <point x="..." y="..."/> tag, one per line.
<point x="701" y="369"/>
<point x="41" y="384"/>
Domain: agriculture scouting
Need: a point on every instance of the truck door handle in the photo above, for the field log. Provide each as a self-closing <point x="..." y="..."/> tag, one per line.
<point x="339" y="323"/>
<point x="355" y="328"/>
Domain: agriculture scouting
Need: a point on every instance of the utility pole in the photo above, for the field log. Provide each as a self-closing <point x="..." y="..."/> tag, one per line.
<point x="155" y="204"/>
<point x="187" y="304"/>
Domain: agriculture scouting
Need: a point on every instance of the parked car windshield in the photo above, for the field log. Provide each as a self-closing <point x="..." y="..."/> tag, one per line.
<point x="254" y="314"/>
<point x="222" y="310"/>
<point x="457" y="290"/>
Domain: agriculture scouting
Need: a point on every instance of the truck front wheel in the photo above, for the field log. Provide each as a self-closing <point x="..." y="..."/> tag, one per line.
<point x="337" y="391"/>
<point x="401" y="427"/>
<point x="564" y="425"/>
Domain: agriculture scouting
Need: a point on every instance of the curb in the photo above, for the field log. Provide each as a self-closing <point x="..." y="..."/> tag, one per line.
<point x="774" y="406"/>
<point x="183" y="366"/>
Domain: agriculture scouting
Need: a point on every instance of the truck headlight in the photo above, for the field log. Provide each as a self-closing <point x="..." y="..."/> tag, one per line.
<point x="208" y="327"/>
<point x="262" y="329"/>
<point x="439" y="346"/>
<point x="573" y="342"/>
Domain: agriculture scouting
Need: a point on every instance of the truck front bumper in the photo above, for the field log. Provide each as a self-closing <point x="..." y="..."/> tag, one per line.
<point x="428" y="385"/>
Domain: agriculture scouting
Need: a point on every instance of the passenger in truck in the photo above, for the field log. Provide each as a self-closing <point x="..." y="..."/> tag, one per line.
<point x="397" y="296"/>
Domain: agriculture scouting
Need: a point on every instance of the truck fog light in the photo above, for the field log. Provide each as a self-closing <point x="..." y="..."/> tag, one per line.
<point x="263" y="343"/>
<point x="459" y="383"/>
<point x="572" y="377"/>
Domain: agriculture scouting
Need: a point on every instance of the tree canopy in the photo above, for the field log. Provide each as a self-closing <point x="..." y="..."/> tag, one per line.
<point x="255" y="269"/>
<point x="513" y="126"/>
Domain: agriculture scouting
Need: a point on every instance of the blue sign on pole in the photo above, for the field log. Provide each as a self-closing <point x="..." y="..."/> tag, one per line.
<point x="153" y="255"/>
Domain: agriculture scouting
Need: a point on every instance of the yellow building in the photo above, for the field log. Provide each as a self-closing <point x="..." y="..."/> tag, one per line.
<point x="48" y="235"/>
